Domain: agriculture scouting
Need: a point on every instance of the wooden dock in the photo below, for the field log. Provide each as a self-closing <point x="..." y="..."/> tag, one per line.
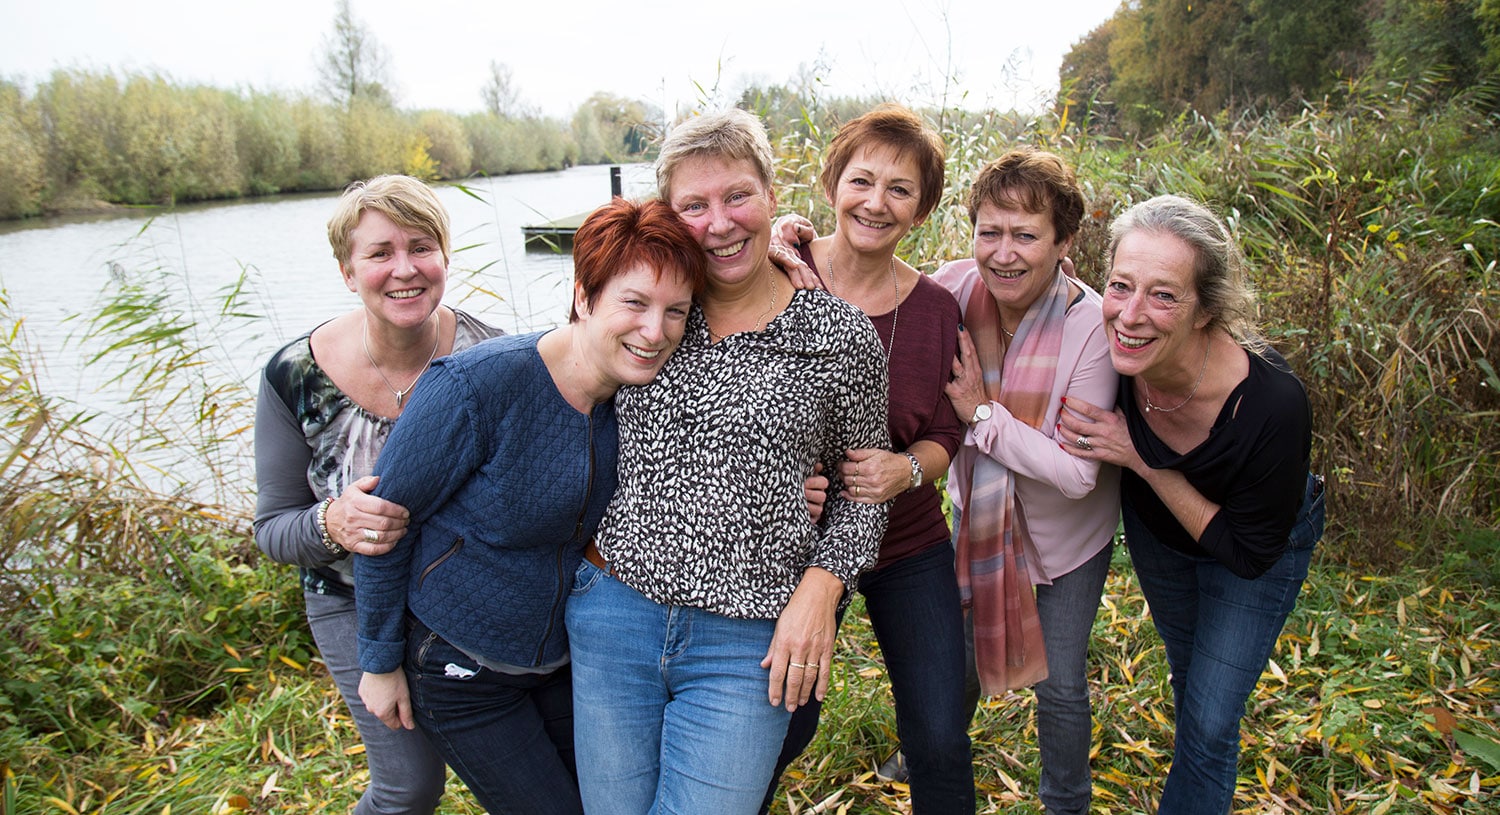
<point x="557" y="236"/>
<point x="553" y="236"/>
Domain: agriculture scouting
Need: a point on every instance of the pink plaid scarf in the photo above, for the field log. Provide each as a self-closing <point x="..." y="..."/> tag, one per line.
<point x="994" y="547"/>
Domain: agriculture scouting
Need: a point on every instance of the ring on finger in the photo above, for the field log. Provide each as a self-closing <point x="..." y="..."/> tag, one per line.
<point x="798" y="665"/>
<point x="1083" y="443"/>
<point x="372" y="536"/>
<point x="856" y="490"/>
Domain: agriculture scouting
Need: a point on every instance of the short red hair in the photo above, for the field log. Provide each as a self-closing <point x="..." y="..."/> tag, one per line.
<point x="622" y="235"/>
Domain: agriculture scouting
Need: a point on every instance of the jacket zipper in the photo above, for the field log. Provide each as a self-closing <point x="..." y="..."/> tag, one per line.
<point x="452" y="550"/>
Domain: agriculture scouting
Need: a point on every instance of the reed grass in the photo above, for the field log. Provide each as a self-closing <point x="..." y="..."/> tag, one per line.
<point x="153" y="662"/>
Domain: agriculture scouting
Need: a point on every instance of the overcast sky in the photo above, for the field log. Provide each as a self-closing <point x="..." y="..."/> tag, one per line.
<point x="999" y="53"/>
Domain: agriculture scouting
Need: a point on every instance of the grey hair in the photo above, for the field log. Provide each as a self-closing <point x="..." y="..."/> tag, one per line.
<point x="734" y="134"/>
<point x="1219" y="276"/>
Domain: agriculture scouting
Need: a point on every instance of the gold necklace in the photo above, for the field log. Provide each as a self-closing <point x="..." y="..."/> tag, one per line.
<point x="895" y="307"/>
<point x="400" y="394"/>
<point x="1146" y="389"/>
<point x="770" y="304"/>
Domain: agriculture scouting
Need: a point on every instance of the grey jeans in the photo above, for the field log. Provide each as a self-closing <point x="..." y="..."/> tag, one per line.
<point x="406" y="773"/>
<point x="1064" y="719"/>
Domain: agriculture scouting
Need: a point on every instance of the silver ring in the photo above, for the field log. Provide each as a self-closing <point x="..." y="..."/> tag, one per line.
<point x="372" y="536"/>
<point x="1083" y="443"/>
<point x="798" y="665"/>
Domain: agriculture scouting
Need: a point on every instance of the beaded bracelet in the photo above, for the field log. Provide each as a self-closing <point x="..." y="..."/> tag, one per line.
<point x="328" y="543"/>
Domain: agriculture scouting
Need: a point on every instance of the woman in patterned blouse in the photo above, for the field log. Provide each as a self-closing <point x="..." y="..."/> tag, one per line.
<point x="706" y="612"/>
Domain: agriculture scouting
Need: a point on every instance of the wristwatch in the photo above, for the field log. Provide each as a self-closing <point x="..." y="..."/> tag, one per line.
<point x="981" y="413"/>
<point x="916" y="472"/>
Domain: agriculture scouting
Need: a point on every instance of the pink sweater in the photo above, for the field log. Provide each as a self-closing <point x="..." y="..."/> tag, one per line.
<point x="1072" y="506"/>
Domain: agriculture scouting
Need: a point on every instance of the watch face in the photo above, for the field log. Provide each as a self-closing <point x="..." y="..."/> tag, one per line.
<point x="981" y="413"/>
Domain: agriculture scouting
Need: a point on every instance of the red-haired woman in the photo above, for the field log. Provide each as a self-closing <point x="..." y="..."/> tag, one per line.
<point x="505" y="458"/>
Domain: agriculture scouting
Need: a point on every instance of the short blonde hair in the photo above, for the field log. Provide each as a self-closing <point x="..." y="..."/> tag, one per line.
<point x="734" y="134"/>
<point x="409" y="204"/>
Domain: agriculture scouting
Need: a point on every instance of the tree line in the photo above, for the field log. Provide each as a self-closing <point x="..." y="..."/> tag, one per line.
<point x="83" y="137"/>
<point x="1153" y="60"/>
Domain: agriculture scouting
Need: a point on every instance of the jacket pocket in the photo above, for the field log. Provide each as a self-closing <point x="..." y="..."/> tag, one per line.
<point x="458" y="545"/>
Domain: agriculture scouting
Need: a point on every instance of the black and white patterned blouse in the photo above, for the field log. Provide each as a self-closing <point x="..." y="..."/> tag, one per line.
<point x="709" y="511"/>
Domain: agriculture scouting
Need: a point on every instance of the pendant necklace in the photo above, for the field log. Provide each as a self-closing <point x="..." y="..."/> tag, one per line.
<point x="1146" y="389"/>
<point x="770" y="304"/>
<point x="895" y="307"/>
<point x="400" y="394"/>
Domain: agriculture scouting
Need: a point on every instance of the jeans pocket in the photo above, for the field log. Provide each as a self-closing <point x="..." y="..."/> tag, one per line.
<point x="585" y="577"/>
<point x="429" y="655"/>
<point x="1308" y="529"/>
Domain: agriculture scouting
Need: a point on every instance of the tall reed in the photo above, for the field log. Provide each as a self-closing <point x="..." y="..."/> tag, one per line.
<point x="1372" y="223"/>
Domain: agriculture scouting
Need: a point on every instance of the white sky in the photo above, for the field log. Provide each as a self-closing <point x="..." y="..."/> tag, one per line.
<point x="1002" y="53"/>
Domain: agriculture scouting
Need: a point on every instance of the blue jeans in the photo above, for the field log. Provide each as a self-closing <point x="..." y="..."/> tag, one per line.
<point x="1064" y="717"/>
<point x="671" y="701"/>
<point x="1219" y="630"/>
<point x="918" y="620"/>
<point x="406" y="772"/>
<point x="508" y="736"/>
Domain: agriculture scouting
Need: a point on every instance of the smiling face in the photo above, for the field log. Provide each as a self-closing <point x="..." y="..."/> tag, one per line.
<point x="1151" y="314"/>
<point x="1017" y="252"/>
<point x="729" y="212"/>
<point x="634" y="325"/>
<point x="399" y="273"/>
<point x="877" y="199"/>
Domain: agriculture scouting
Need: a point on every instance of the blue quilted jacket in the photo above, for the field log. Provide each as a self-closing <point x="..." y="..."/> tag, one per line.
<point x="505" y="483"/>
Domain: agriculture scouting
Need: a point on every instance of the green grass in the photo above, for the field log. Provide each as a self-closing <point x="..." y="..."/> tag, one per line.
<point x="1380" y="698"/>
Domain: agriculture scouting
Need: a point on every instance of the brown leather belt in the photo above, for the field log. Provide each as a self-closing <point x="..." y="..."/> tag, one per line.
<point x="591" y="554"/>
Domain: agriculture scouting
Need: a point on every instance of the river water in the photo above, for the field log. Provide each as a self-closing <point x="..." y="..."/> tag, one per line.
<point x="57" y="273"/>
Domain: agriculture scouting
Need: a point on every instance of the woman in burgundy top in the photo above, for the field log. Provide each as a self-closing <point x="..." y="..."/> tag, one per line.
<point x="883" y="175"/>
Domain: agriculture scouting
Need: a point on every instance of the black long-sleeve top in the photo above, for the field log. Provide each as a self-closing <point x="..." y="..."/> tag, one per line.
<point x="1253" y="465"/>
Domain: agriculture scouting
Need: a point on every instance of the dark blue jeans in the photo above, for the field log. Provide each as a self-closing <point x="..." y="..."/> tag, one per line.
<point x="1219" y="630"/>
<point x="508" y="736"/>
<point x="915" y="610"/>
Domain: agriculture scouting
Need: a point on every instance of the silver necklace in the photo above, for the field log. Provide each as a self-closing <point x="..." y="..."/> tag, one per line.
<point x="770" y="303"/>
<point x="895" y="307"/>
<point x="400" y="394"/>
<point x="1146" y="389"/>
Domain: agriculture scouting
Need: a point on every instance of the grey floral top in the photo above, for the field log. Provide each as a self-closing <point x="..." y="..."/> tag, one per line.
<point x="311" y="442"/>
<point x="709" y="511"/>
